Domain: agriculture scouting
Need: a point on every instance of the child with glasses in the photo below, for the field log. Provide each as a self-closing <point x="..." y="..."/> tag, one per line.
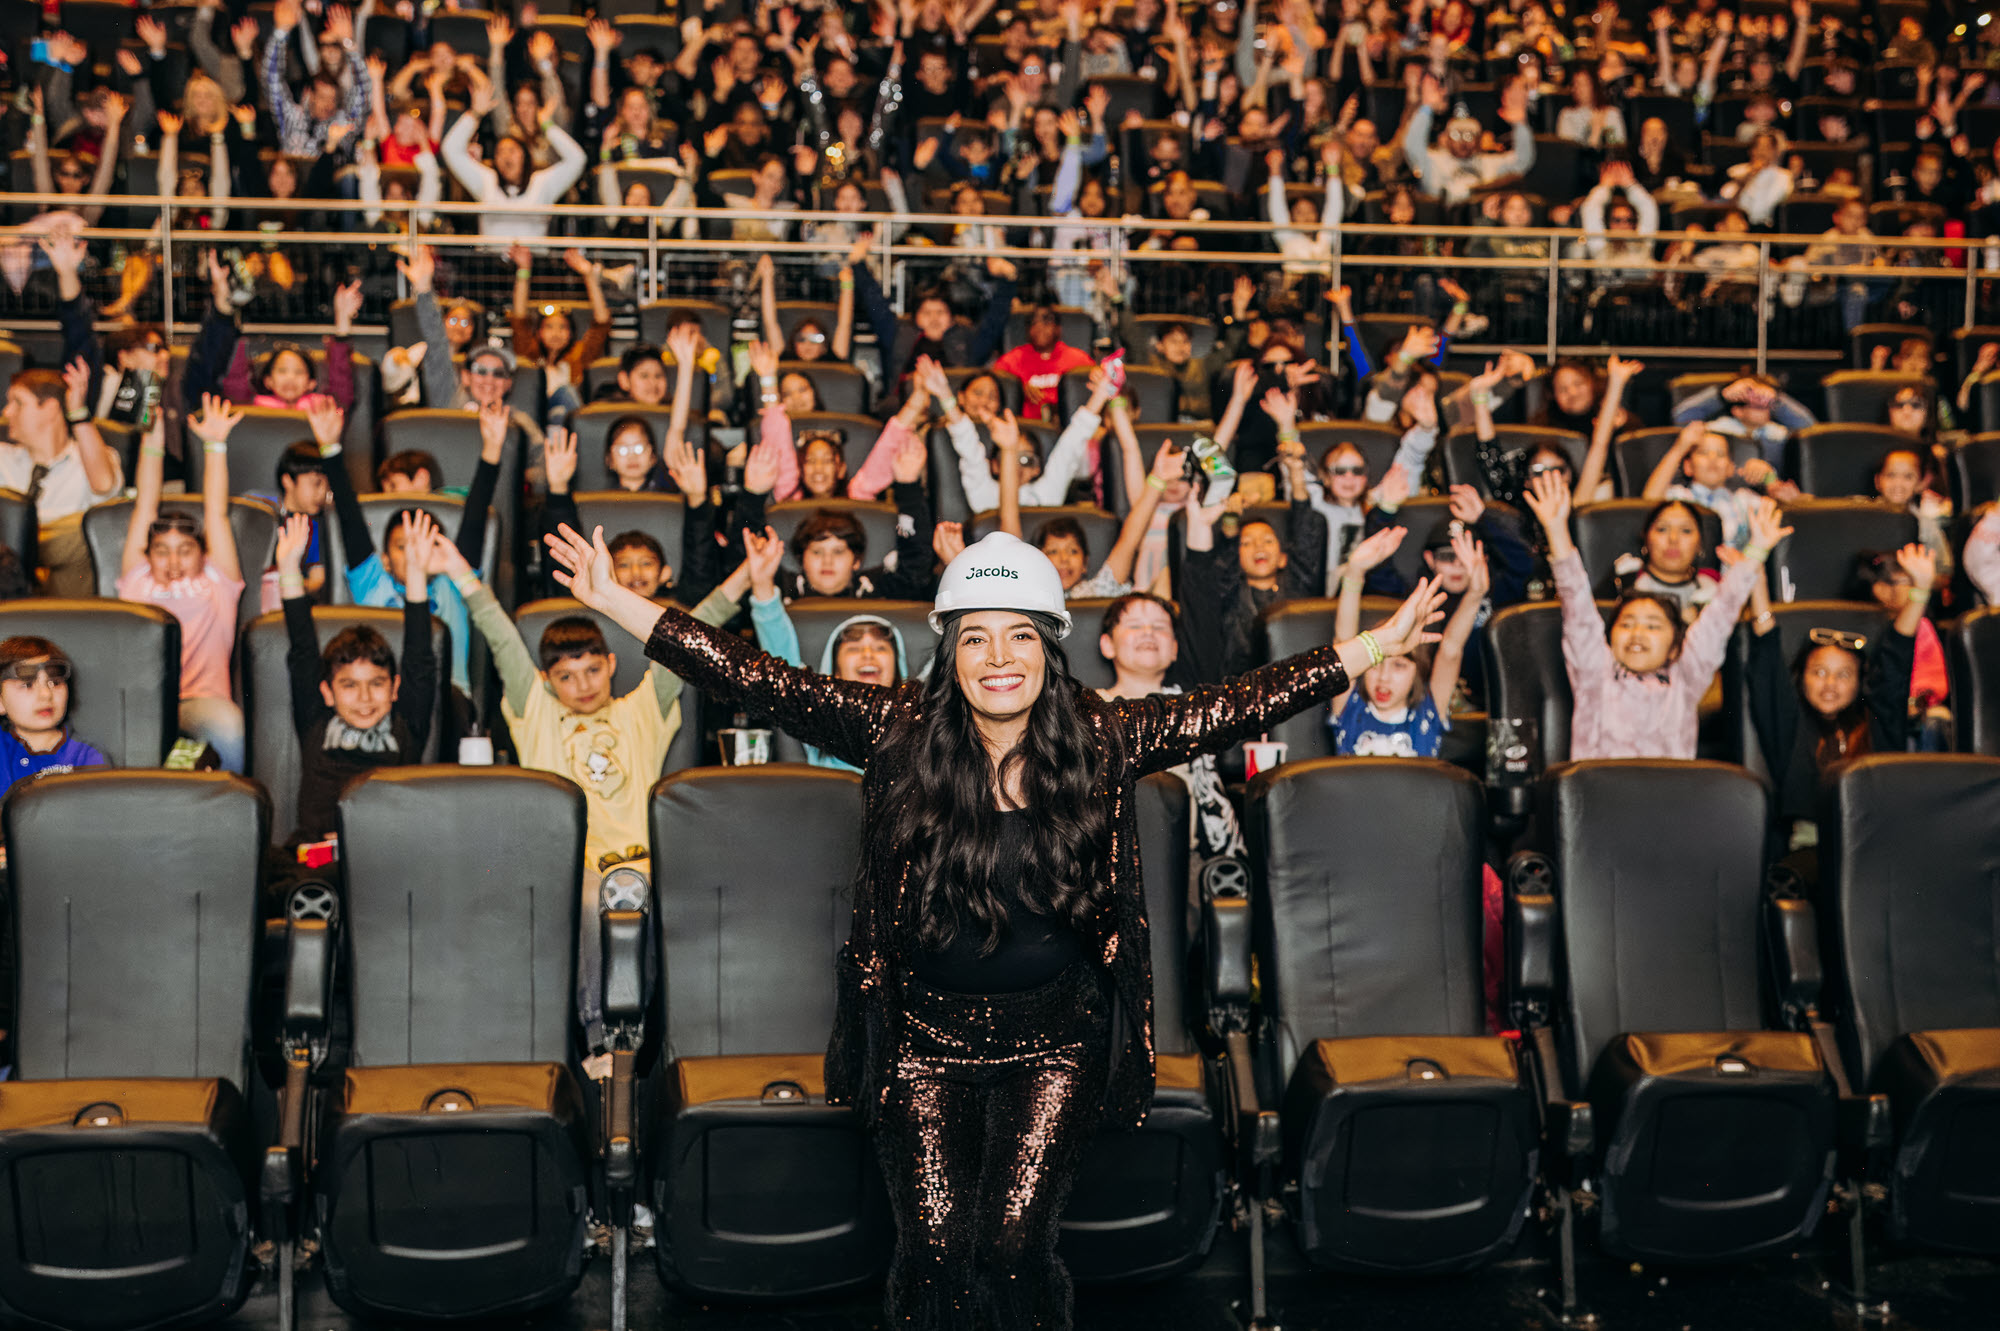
<point x="189" y="568"/>
<point x="34" y="698"/>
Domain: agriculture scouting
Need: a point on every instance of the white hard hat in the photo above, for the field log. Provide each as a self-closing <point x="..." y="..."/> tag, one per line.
<point x="1001" y="572"/>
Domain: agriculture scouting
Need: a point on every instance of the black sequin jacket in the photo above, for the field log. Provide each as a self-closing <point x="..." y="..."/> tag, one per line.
<point x="870" y="726"/>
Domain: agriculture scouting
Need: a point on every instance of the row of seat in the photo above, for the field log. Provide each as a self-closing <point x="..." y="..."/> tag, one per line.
<point x="1698" y="1061"/>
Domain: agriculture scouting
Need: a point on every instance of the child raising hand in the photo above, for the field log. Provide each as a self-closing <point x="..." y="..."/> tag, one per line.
<point x="1636" y="686"/>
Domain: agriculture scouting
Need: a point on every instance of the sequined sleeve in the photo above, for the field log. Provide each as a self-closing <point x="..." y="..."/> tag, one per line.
<point x="845" y="719"/>
<point x="1166" y="729"/>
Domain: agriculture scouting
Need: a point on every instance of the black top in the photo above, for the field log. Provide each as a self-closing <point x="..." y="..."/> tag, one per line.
<point x="1033" y="949"/>
<point x="324" y="771"/>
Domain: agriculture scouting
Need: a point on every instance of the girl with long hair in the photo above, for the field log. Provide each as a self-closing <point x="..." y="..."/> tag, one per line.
<point x="995" y="998"/>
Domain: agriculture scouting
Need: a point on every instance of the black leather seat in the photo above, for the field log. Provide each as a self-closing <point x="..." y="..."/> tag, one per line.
<point x="19" y="528"/>
<point x="660" y="516"/>
<point x="1972" y="653"/>
<point x="653" y="316"/>
<point x="839" y="388"/>
<point x="1839" y="461"/>
<point x="1816" y="562"/>
<point x="1378" y="443"/>
<point x="1086" y="658"/>
<point x="877" y="519"/>
<point x="1527" y="680"/>
<point x="1861" y="397"/>
<point x="759" y="1187"/>
<point x="947" y="486"/>
<point x="1461" y="451"/>
<point x="452" y="1167"/>
<point x="1295" y="626"/>
<point x="1715" y="1134"/>
<point x="1793" y="622"/>
<point x="686" y="748"/>
<point x="1975" y="470"/>
<point x="267" y="695"/>
<point x="452" y="437"/>
<point x="592" y="427"/>
<point x="814" y="619"/>
<point x="1409" y="1132"/>
<point x="380" y="509"/>
<point x="254" y="523"/>
<point x="1635" y="453"/>
<point x="125" y="698"/>
<point x="1145" y="1204"/>
<point x="857" y="434"/>
<point x="1100" y="529"/>
<point x="1614" y="527"/>
<point x="126" y="1148"/>
<point x="1908" y="845"/>
<point x="255" y="446"/>
<point x="1154" y="392"/>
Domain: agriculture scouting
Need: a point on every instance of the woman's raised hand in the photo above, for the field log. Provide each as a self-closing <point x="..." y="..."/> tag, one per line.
<point x="586" y="564"/>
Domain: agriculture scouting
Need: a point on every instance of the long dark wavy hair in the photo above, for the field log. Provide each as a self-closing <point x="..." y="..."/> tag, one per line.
<point x="946" y="827"/>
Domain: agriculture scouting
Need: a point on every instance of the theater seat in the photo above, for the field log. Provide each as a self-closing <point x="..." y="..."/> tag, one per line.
<point x="1146" y="1204"/>
<point x="1299" y="625"/>
<point x="592" y="427"/>
<point x="686" y="749"/>
<point x="126" y="1148"/>
<point x="452" y="437"/>
<point x="1839" y="461"/>
<point x="1972" y="651"/>
<point x="1408" y="1133"/>
<point x="126" y="695"/>
<point x="451" y="1181"/>
<point x="267" y="696"/>
<point x="857" y="435"/>
<point x="759" y="1188"/>
<point x="255" y="446"/>
<point x="1794" y="622"/>
<point x="1816" y="562"/>
<point x="877" y="519"/>
<point x="1908" y="848"/>
<point x="253" y="522"/>
<point x="1461" y="451"/>
<point x="1715" y="1134"/>
<point x="1526" y="680"/>
<point x="1614" y="527"/>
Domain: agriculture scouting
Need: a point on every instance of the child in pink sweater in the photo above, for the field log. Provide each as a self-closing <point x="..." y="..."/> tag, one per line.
<point x="1636" y="687"/>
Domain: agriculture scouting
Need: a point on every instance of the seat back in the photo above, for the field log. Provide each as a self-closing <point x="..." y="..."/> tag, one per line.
<point x="1839" y="461"/>
<point x="1910" y="862"/>
<point x="477" y="870"/>
<point x="1295" y="626"/>
<point x="1154" y="393"/>
<point x="1861" y="397"/>
<point x="254" y="523"/>
<point x="1100" y="529"/>
<point x="1972" y="652"/>
<point x="1816" y="562"/>
<point x="1794" y="622"/>
<point x="592" y="426"/>
<point x="452" y="437"/>
<point x="255" y="446"/>
<point x="751" y="921"/>
<point x="1163" y="810"/>
<point x="878" y="522"/>
<point x="378" y="510"/>
<point x="136" y="918"/>
<point x="267" y="696"/>
<point x="1378" y="443"/>
<point x="653" y="317"/>
<point x="1615" y="527"/>
<point x="1975" y="467"/>
<point x="1367" y="912"/>
<point x="1664" y="941"/>
<point x="533" y="620"/>
<point x="1635" y="453"/>
<point x="125" y="698"/>
<point x="840" y="389"/>
<point x="1461" y="451"/>
<point x="857" y="433"/>
<point x="18" y="528"/>
<point x="1525" y="675"/>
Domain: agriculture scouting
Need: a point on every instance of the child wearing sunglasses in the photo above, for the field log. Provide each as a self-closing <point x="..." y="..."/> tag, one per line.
<point x="1637" y="685"/>
<point x="1842" y="695"/>
<point x="34" y="697"/>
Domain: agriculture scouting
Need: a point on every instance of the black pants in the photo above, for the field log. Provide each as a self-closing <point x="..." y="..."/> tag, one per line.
<point x="992" y="1100"/>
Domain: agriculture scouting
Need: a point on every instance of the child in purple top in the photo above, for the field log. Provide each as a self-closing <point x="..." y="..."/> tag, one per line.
<point x="34" y="696"/>
<point x="1637" y="686"/>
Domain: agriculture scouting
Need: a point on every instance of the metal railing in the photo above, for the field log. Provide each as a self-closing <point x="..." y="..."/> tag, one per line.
<point x="1545" y="303"/>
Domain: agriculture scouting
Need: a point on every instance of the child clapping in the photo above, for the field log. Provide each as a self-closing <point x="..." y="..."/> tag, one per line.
<point x="1636" y="687"/>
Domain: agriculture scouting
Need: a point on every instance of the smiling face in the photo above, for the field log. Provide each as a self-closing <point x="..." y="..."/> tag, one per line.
<point x="828" y="565"/>
<point x="795" y="393"/>
<point x="1574" y="390"/>
<point x="290" y="376"/>
<point x="821" y="468"/>
<point x="933" y="318"/>
<point x="866" y="654"/>
<point x="1260" y="555"/>
<point x="360" y="693"/>
<point x="173" y="554"/>
<point x="630" y="457"/>
<point x="646" y="382"/>
<point x="1642" y="637"/>
<point x="1068" y="557"/>
<point x="1831" y="680"/>
<point x="1000" y="664"/>
<point x="582" y="684"/>
<point x="1344" y="474"/>
<point x="1908" y="413"/>
<point x="980" y="397"/>
<point x="638" y="569"/>
<point x="1142" y="642"/>
<point x="1672" y="544"/>
<point x="1899" y="478"/>
<point x="1710" y="463"/>
<point x="35" y="706"/>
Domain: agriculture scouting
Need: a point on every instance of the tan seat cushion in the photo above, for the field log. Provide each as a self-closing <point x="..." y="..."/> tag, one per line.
<point x="1388" y="1057"/>
<point x="718" y="1077"/>
<point x="405" y="1090"/>
<point x="49" y="1104"/>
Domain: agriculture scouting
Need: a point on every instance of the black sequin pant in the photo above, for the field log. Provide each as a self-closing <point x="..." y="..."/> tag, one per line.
<point x="992" y="1099"/>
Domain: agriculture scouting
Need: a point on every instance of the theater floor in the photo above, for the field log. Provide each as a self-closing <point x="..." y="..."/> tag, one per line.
<point x="1924" y="1294"/>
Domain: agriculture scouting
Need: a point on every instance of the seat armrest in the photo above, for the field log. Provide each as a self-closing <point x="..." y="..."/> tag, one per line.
<point x="309" y="965"/>
<point x="1866" y="1124"/>
<point x="1529" y="927"/>
<point x="1226" y="949"/>
<point x="1792" y="941"/>
<point x="1569" y="1131"/>
<point x="1257" y="1129"/>
<point x="624" y="952"/>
